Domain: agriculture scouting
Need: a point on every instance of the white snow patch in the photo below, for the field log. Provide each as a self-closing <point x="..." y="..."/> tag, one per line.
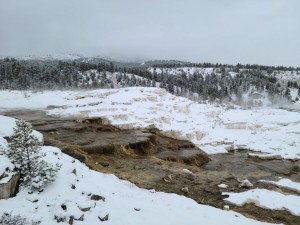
<point x="187" y="171"/>
<point x="245" y="183"/>
<point x="266" y="199"/>
<point x="6" y="129"/>
<point x="286" y="183"/>
<point x="223" y="186"/>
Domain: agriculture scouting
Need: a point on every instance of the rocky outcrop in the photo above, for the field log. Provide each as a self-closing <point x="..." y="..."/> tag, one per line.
<point x="10" y="188"/>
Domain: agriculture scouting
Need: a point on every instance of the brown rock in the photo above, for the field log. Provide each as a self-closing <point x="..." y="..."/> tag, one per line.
<point x="97" y="198"/>
<point x="74" y="171"/>
<point x="81" y="218"/>
<point x="10" y="188"/>
<point x="85" y="209"/>
<point x="105" y="218"/>
<point x="185" y="189"/>
<point x="64" y="207"/>
<point x="71" y="220"/>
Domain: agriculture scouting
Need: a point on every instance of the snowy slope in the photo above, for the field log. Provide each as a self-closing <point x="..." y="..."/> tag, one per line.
<point x="107" y="79"/>
<point x="180" y="70"/>
<point x="268" y="132"/>
<point x="286" y="76"/>
<point x="71" y="195"/>
<point x="6" y="128"/>
<point x="283" y="76"/>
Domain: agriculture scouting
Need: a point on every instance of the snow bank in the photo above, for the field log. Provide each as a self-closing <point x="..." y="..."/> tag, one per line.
<point x="266" y="199"/>
<point x="31" y="100"/>
<point x="286" y="183"/>
<point x="7" y="125"/>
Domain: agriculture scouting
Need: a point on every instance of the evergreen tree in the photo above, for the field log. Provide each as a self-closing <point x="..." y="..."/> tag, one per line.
<point x="287" y="94"/>
<point x="24" y="151"/>
<point x="43" y="174"/>
<point x="24" y="147"/>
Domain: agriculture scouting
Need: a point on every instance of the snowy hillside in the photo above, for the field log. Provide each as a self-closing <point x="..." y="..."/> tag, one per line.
<point x="287" y="76"/>
<point x="178" y="71"/>
<point x="84" y="196"/>
<point x="93" y="78"/>
<point x="261" y="86"/>
<point x="246" y="87"/>
<point x="279" y="74"/>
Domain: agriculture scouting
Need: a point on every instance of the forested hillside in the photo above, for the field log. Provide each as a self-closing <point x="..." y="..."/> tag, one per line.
<point x="252" y="84"/>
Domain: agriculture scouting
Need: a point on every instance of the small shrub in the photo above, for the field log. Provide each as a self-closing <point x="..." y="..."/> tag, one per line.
<point x="8" y="219"/>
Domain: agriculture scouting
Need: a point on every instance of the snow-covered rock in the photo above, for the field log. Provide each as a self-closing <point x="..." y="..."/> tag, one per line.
<point x="9" y="183"/>
<point x="9" y="179"/>
<point x="224" y="186"/>
<point x="245" y="183"/>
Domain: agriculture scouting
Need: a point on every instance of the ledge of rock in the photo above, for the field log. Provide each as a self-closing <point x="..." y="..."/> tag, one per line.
<point x="10" y="188"/>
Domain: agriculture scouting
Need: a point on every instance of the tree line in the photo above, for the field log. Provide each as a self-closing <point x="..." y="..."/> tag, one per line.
<point x="220" y="84"/>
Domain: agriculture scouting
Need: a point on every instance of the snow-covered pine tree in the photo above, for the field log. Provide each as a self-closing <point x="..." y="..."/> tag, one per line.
<point x="24" y="147"/>
<point x="45" y="173"/>
<point x="24" y="151"/>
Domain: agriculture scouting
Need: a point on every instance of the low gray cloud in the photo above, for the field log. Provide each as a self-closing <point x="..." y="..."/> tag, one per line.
<point x="231" y="31"/>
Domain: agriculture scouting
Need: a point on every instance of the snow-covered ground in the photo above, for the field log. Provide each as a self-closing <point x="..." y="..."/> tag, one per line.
<point x="268" y="132"/>
<point x="266" y="199"/>
<point x="6" y="129"/>
<point x="76" y="186"/>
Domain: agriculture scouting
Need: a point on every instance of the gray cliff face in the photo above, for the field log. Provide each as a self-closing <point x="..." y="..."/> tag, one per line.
<point x="10" y="188"/>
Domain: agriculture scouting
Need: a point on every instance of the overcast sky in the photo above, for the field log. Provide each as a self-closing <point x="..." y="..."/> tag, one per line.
<point x="226" y="31"/>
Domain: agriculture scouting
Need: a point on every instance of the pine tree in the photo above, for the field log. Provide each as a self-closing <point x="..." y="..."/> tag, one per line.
<point x="287" y="94"/>
<point x="24" y="151"/>
<point x="24" y="147"/>
<point x="45" y="173"/>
